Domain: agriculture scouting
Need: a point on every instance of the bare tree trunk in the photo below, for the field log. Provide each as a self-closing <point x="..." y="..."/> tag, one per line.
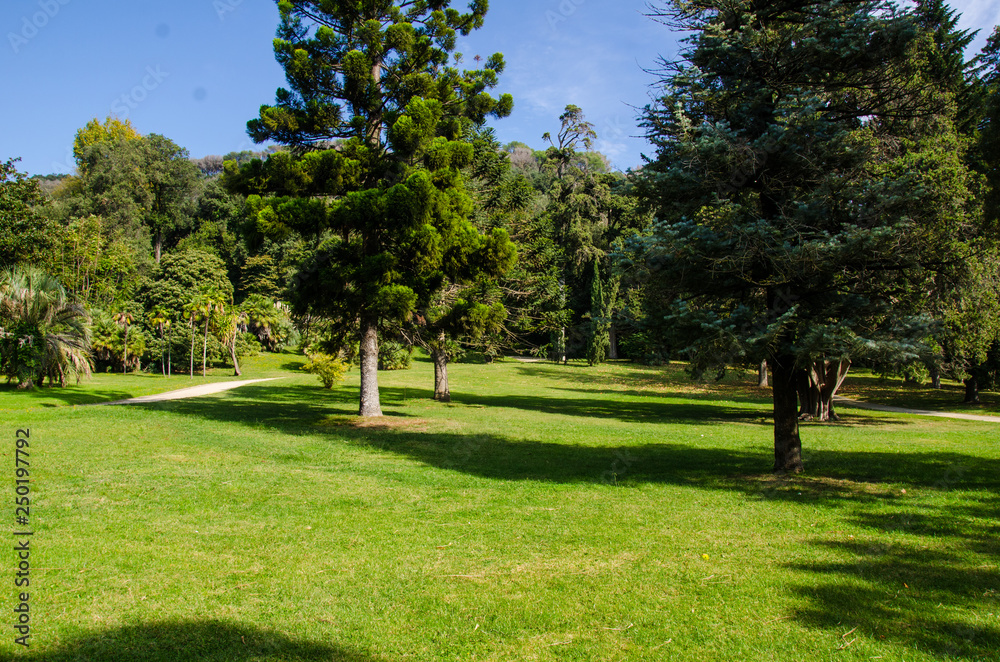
<point x="236" y="364"/>
<point x="935" y="377"/>
<point x="762" y="375"/>
<point x="441" y="391"/>
<point x="191" y="373"/>
<point x="204" y="349"/>
<point x="125" y="359"/>
<point x="370" y="405"/>
<point x="158" y="246"/>
<point x="612" y="342"/>
<point x="787" y="444"/>
<point x="816" y="387"/>
<point x="971" y="390"/>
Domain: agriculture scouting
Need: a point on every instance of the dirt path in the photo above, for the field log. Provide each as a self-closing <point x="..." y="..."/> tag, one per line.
<point x="180" y="394"/>
<point x="845" y="402"/>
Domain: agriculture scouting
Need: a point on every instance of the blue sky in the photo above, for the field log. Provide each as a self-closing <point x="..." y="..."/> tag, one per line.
<point x="197" y="70"/>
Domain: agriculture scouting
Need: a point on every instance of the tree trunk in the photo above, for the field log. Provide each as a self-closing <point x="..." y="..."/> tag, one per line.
<point x="935" y="377"/>
<point x="204" y="349"/>
<point x="612" y="342"/>
<point x="370" y="405"/>
<point x="441" y="391"/>
<point x="125" y="360"/>
<point x="787" y="444"/>
<point x="191" y="373"/>
<point x="163" y="364"/>
<point x="971" y="390"/>
<point x="762" y="375"/>
<point x="158" y="246"/>
<point x="816" y="387"/>
<point x="236" y="364"/>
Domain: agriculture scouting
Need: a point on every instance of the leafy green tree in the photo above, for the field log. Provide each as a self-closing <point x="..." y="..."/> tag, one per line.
<point x="112" y="130"/>
<point x="144" y="186"/>
<point x="43" y="333"/>
<point x="574" y="130"/>
<point x="24" y="232"/>
<point x="806" y="178"/>
<point x="388" y="196"/>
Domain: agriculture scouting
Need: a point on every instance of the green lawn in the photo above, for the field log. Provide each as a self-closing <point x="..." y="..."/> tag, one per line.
<point x="547" y="513"/>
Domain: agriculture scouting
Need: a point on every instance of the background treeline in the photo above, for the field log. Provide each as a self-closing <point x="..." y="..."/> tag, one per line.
<point x="145" y="258"/>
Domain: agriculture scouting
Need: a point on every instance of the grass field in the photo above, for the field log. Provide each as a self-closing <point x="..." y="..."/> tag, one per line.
<point x="547" y="513"/>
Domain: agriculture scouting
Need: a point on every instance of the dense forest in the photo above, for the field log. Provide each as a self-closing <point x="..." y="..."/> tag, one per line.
<point x="822" y="191"/>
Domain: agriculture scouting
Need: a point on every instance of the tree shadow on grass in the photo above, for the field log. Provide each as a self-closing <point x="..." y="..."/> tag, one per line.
<point x="917" y="577"/>
<point x="68" y="396"/>
<point x="204" y="641"/>
<point x="832" y="475"/>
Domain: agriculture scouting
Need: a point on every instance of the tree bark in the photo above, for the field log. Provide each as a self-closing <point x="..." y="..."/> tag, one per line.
<point x="158" y="246"/>
<point x="125" y="359"/>
<point x="236" y="364"/>
<point x="935" y="378"/>
<point x="762" y="375"/>
<point x="204" y="350"/>
<point x="612" y="342"/>
<point x="816" y="387"/>
<point x="441" y="391"/>
<point x="787" y="444"/>
<point x="971" y="390"/>
<point x="191" y="373"/>
<point x="370" y="405"/>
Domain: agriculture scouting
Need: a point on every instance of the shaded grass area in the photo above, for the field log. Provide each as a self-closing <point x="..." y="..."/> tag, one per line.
<point x="547" y="513"/>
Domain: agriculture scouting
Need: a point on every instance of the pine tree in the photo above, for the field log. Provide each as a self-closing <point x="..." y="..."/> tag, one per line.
<point x="377" y="118"/>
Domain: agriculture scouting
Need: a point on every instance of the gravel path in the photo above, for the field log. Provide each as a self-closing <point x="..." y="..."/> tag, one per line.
<point x="845" y="402"/>
<point x="180" y="394"/>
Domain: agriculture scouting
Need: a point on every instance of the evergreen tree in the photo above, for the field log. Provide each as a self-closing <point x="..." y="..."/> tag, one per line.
<point x="808" y="175"/>
<point x="378" y="120"/>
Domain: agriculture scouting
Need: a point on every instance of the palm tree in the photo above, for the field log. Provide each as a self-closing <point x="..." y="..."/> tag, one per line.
<point x="202" y="306"/>
<point x="229" y="327"/>
<point x="158" y="318"/>
<point x="191" y="313"/>
<point x="263" y="316"/>
<point x="124" y="318"/>
<point x="42" y="332"/>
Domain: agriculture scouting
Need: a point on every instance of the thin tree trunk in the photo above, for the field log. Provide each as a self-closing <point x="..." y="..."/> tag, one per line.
<point x="125" y="360"/>
<point x="163" y="365"/>
<point x="762" y="375"/>
<point x="441" y="391"/>
<point x="935" y="377"/>
<point x="612" y="342"/>
<point x="191" y="373"/>
<point x="787" y="444"/>
<point x="204" y="349"/>
<point x="158" y="246"/>
<point x="370" y="405"/>
<point x="236" y="364"/>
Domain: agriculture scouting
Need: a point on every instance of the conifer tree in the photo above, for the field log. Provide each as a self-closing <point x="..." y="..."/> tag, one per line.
<point x="377" y="116"/>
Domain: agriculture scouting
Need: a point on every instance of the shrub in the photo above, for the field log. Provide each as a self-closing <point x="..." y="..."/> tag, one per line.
<point x="329" y="369"/>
